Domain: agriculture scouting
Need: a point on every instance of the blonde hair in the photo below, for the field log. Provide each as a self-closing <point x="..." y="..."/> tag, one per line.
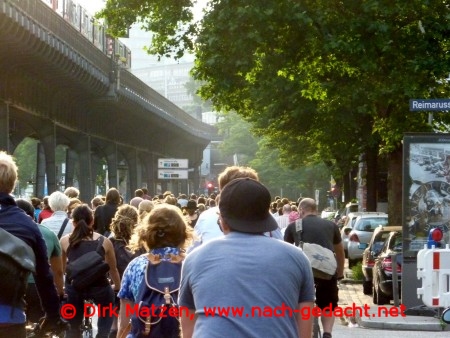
<point x="232" y="172"/>
<point x="144" y="209"/>
<point x="164" y="226"/>
<point x="169" y="199"/>
<point x="8" y="173"/>
<point x="72" y="192"/>
<point x="124" y="221"/>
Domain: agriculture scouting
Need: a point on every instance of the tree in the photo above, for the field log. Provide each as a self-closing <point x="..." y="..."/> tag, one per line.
<point x="327" y="79"/>
<point x="198" y="105"/>
<point x="26" y="158"/>
<point x="258" y="154"/>
<point x="238" y="141"/>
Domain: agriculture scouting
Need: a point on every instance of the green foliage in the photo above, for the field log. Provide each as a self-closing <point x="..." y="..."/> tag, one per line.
<point x="258" y="154"/>
<point x="25" y="155"/>
<point x="357" y="272"/>
<point x="320" y="80"/>
<point x="237" y="137"/>
<point x="170" y="20"/>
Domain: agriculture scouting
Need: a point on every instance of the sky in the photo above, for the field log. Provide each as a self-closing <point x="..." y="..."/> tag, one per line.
<point x="94" y="6"/>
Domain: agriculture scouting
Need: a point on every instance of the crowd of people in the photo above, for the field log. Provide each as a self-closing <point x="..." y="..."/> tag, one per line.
<point x="233" y="250"/>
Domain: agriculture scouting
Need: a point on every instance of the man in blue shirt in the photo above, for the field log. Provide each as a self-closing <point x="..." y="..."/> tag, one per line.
<point x="246" y="284"/>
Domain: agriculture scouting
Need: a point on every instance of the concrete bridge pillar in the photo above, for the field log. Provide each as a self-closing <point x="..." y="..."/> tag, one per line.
<point x="134" y="174"/>
<point x="87" y="185"/>
<point x="71" y="160"/>
<point x="40" y="171"/>
<point x="150" y="174"/>
<point x="112" y="162"/>
<point x="4" y="127"/>
<point x="196" y="178"/>
<point x="48" y="141"/>
<point x="96" y="163"/>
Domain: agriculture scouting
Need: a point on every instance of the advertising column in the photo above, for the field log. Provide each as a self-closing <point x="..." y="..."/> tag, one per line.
<point x="426" y="201"/>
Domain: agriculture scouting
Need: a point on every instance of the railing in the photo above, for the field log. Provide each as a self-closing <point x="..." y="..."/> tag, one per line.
<point x="134" y="88"/>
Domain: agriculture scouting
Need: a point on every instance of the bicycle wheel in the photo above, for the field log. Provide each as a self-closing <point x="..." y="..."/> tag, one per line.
<point x="316" y="328"/>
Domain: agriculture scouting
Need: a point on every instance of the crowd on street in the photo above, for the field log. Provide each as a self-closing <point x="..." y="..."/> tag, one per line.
<point x="238" y="248"/>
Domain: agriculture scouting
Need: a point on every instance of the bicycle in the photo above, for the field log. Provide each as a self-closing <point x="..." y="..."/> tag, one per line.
<point x="37" y="330"/>
<point x="86" y="325"/>
<point x="316" y="333"/>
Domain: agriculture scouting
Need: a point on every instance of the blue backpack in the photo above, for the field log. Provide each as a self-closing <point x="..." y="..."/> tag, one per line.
<point x="157" y="294"/>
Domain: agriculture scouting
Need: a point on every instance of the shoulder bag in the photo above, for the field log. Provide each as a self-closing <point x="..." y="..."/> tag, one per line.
<point x="88" y="268"/>
<point x="323" y="260"/>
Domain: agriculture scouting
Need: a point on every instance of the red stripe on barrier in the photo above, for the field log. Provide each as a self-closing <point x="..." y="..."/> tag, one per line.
<point x="436" y="261"/>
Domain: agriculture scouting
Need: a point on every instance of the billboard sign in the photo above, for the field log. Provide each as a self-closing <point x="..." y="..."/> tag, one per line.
<point x="426" y="189"/>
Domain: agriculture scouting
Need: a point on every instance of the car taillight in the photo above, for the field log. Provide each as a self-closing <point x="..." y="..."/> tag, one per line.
<point x="370" y="263"/>
<point x="354" y="238"/>
<point x="386" y="264"/>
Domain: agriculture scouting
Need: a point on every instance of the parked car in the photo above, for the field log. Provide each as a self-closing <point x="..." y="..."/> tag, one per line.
<point x="362" y="231"/>
<point x="347" y="227"/>
<point x="371" y="251"/>
<point x="382" y="291"/>
<point x="328" y="214"/>
<point x="350" y="207"/>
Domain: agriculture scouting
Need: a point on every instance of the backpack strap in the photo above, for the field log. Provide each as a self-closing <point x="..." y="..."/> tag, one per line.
<point x="299" y="228"/>
<point x="100" y="244"/>
<point x="63" y="227"/>
<point x="299" y="231"/>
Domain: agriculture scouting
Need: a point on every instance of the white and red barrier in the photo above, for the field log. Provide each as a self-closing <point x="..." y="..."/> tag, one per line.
<point x="433" y="267"/>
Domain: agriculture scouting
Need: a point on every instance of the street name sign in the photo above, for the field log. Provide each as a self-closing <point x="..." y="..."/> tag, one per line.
<point x="175" y="163"/>
<point x="429" y="104"/>
<point x="172" y="174"/>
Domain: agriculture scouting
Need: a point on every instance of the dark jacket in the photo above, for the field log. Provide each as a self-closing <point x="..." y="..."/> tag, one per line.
<point x="15" y="221"/>
<point x="102" y="218"/>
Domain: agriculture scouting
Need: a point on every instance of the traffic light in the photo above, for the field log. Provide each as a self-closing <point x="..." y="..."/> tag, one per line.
<point x="434" y="238"/>
<point x="210" y="187"/>
<point x="335" y="191"/>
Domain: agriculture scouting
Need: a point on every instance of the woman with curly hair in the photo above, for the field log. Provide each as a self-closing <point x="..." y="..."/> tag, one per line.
<point x="166" y="235"/>
<point x="122" y="226"/>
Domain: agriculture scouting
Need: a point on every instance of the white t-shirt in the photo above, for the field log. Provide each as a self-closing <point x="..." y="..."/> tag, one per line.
<point x="55" y="221"/>
<point x="206" y="227"/>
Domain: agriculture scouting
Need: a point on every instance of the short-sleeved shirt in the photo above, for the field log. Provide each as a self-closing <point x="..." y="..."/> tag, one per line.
<point x="52" y="243"/>
<point x="248" y="272"/>
<point x="315" y="230"/>
<point x="206" y="227"/>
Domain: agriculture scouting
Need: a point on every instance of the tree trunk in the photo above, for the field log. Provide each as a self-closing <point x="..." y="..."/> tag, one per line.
<point x="371" y="179"/>
<point x="395" y="183"/>
<point x="350" y="185"/>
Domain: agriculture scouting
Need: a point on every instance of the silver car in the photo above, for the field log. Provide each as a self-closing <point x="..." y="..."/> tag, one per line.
<point x="347" y="227"/>
<point x="362" y="232"/>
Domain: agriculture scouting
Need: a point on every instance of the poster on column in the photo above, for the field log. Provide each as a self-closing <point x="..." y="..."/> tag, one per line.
<point x="426" y="189"/>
